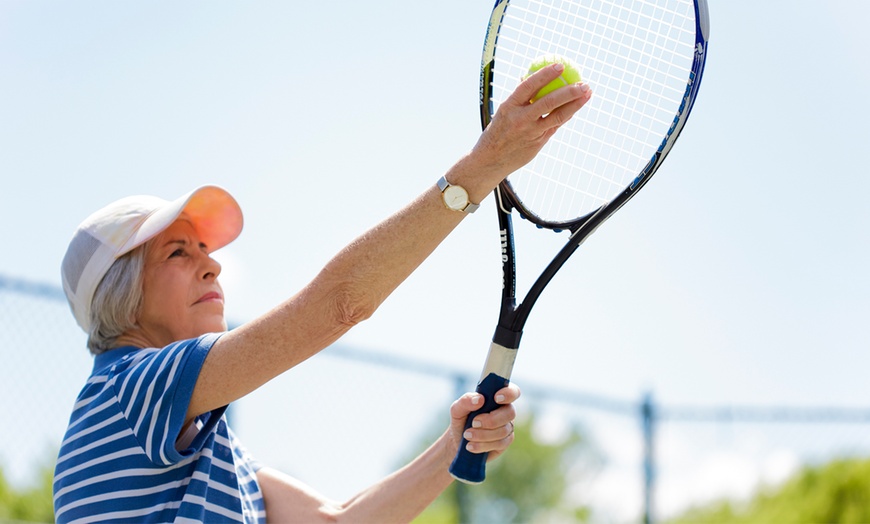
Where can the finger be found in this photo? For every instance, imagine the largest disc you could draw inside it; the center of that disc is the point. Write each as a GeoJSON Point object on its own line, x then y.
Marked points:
{"type": "Point", "coordinates": [559, 106]}
{"type": "Point", "coordinates": [495, 419]}
{"type": "Point", "coordinates": [508, 394]}
{"type": "Point", "coordinates": [465, 404]}
{"type": "Point", "coordinates": [529, 87]}
{"type": "Point", "coordinates": [471, 401]}
{"type": "Point", "coordinates": [480, 441]}
{"type": "Point", "coordinates": [489, 435]}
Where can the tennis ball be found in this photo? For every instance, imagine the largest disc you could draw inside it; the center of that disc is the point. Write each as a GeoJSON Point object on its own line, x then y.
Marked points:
{"type": "Point", "coordinates": [570, 75]}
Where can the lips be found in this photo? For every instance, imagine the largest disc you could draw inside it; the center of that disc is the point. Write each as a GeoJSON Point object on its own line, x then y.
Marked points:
{"type": "Point", "coordinates": [212, 296]}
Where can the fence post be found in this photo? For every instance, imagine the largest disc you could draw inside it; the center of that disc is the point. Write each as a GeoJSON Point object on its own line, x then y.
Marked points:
{"type": "Point", "coordinates": [647, 410]}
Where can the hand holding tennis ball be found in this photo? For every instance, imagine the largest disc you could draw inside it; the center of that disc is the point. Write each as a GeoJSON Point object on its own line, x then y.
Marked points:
{"type": "Point", "coordinates": [570, 75]}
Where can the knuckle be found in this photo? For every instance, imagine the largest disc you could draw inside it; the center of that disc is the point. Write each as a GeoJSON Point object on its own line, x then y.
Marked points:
{"type": "Point", "coordinates": [557, 118]}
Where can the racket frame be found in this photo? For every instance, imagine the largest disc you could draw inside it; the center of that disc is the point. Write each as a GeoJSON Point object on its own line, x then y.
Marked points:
{"type": "Point", "coordinates": [468, 467]}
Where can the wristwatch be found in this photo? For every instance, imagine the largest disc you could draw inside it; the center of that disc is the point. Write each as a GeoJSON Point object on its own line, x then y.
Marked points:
{"type": "Point", "coordinates": [455, 197]}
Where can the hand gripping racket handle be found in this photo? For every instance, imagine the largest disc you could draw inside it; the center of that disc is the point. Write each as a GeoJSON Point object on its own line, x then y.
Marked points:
{"type": "Point", "coordinates": [470, 467]}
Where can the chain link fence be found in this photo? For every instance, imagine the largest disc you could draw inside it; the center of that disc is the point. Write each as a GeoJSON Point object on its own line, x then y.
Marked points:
{"type": "Point", "coordinates": [652, 460]}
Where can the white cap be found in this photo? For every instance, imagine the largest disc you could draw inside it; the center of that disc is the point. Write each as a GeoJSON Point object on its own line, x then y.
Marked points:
{"type": "Point", "coordinates": [130, 222]}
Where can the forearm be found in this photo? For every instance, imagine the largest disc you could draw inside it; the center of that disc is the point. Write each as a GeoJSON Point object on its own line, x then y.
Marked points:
{"type": "Point", "coordinates": [398, 498]}
{"type": "Point", "coordinates": [404, 494]}
{"type": "Point", "coordinates": [368, 270]}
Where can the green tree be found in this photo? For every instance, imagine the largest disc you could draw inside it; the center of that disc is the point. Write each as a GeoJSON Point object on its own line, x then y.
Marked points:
{"type": "Point", "coordinates": [29, 504]}
{"type": "Point", "coordinates": [528, 483]}
{"type": "Point", "coordinates": [838, 491]}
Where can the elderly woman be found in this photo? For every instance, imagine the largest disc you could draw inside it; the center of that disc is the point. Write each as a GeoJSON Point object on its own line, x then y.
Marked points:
{"type": "Point", "coordinates": [148, 440]}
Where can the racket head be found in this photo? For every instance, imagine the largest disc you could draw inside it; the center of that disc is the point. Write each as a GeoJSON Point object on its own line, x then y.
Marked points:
{"type": "Point", "coordinates": [644, 61]}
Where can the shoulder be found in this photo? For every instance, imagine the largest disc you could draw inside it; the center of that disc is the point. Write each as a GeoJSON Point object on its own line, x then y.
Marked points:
{"type": "Point", "coordinates": [154, 360]}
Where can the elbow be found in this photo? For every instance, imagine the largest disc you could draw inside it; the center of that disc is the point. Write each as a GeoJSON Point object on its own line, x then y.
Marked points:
{"type": "Point", "coordinates": [351, 307]}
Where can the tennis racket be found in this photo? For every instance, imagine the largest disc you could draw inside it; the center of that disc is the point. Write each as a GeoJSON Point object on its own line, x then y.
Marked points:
{"type": "Point", "coordinates": [644, 60]}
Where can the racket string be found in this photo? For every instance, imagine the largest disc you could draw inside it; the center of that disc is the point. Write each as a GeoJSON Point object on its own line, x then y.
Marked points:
{"type": "Point", "coordinates": [636, 54]}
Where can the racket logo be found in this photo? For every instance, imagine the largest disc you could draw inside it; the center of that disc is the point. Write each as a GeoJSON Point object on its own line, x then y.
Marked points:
{"type": "Point", "coordinates": [505, 270]}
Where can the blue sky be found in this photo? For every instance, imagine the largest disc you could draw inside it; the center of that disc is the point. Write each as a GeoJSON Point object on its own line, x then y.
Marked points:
{"type": "Point", "coordinates": [738, 276]}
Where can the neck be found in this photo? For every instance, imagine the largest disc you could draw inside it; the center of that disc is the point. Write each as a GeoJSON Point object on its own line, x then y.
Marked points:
{"type": "Point", "coordinates": [137, 338]}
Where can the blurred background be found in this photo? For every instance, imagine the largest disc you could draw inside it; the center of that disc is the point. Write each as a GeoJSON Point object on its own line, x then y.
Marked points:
{"type": "Point", "coordinates": [707, 344]}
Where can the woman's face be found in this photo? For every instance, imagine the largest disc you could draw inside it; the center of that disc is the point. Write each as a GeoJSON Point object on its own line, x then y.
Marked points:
{"type": "Point", "coordinates": [182, 298]}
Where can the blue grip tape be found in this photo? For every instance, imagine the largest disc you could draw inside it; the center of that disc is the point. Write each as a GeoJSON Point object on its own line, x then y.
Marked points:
{"type": "Point", "coordinates": [470, 467]}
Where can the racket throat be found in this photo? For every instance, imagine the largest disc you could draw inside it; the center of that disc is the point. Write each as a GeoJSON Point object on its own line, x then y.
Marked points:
{"type": "Point", "coordinates": [507, 337]}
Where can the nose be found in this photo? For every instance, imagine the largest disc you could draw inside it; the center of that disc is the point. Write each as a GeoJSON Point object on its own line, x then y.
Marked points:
{"type": "Point", "coordinates": [211, 268]}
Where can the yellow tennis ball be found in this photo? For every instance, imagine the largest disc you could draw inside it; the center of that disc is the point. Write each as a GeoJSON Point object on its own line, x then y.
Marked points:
{"type": "Point", "coordinates": [570, 75]}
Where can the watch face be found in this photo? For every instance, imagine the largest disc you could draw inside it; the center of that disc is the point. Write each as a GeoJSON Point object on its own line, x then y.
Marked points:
{"type": "Point", "coordinates": [456, 198]}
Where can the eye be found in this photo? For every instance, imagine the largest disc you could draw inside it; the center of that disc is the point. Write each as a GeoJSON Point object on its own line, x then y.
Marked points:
{"type": "Point", "coordinates": [177, 253]}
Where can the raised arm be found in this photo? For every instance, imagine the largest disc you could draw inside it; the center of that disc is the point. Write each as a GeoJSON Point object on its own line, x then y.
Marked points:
{"type": "Point", "coordinates": [360, 277]}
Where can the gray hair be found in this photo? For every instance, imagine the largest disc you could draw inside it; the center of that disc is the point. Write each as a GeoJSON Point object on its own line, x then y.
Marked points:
{"type": "Point", "coordinates": [117, 301]}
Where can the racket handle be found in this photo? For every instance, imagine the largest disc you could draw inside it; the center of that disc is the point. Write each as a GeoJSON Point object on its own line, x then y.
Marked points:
{"type": "Point", "coordinates": [470, 467]}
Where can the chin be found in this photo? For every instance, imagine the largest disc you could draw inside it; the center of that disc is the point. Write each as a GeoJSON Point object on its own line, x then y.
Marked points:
{"type": "Point", "coordinates": [220, 325]}
{"type": "Point", "coordinates": [215, 326]}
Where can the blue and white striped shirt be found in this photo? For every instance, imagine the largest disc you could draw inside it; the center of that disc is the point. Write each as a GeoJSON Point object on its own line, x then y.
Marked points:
{"type": "Point", "coordinates": [119, 460]}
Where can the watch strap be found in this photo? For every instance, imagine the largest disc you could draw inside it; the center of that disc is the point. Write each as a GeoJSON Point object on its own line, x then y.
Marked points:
{"type": "Point", "coordinates": [471, 208]}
